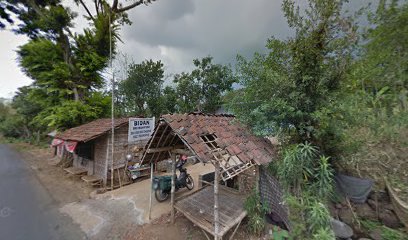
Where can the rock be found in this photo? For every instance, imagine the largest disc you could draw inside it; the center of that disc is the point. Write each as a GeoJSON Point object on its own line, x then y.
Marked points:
{"type": "Point", "coordinates": [372, 203]}
{"type": "Point", "coordinates": [388, 206]}
{"type": "Point", "coordinates": [333, 210]}
{"type": "Point", "coordinates": [376, 234]}
{"type": "Point", "coordinates": [365, 211]}
{"type": "Point", "coordinates": [341, 229]}
{"type": "Point", "coordinates": [338, 206]}
{"type": "Point", "coordinates": [389, 219]}
{"type": "Point", "coordinates": [364, 239]}
{"type": "Point", "coordinates": [346, 216]}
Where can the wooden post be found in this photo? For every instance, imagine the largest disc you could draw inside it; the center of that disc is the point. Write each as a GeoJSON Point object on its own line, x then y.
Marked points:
{"type": "Point", "coordinates": [173, 184]}
{"type": "Point", "coordinates": [216, 203]}
{"type": "Point", "coordinates": [151, 190]}
{"type": "Point", "coordinates": [105, 178]}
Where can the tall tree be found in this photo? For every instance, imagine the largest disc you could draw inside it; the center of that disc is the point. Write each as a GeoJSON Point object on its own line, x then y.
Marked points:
{"type": "Point", "coordinates": [203, 88]}
{"type": "Point", "coordinates": [142, 89]}
{"type": "Point", "coordinates": [287, 88]}
{"type": "Point", "coordinates": [66, 66]}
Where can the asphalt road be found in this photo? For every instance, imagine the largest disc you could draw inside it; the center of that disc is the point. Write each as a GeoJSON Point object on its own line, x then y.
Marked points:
{"type": "Point", "coordinates": [27, 210]}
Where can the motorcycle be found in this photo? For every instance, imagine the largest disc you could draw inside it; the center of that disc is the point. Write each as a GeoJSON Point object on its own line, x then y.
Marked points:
{"type": "Point", "coordinates": [162, 184]}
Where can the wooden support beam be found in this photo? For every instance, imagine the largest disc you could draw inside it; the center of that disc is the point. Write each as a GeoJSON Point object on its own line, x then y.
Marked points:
{"type": "Point", "coordinates": [151, 191]}
{"type": "Point", "coordinates": [182, 152]}
{"type": "Point", "coordinates": [163, 149]}
{"type": "Point", "coordinates": [173, 185]}
{"type": "Point", "coordinates": [216, 202]}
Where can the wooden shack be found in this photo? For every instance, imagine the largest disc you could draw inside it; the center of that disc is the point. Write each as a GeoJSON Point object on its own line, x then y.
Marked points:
{"type": "Point", "coordinates": [89, 146]}
{"type": "Point", "coordinates": [221, 141]}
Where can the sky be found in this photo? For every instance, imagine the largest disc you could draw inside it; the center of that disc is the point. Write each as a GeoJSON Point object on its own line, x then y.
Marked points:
{"type": "Point", "coordinates": [174, 31]}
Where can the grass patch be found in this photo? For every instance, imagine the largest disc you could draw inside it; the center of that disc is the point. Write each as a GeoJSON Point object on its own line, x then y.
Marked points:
{"type": "Point", "coordinates": [386, 232]}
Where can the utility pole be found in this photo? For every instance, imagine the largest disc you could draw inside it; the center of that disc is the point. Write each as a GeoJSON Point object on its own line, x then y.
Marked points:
{"type": "Point", "coordinates": [113, 98]}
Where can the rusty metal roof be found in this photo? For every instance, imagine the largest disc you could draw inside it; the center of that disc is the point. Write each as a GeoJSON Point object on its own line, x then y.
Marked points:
{"type": "Point", "coordinates": [230, 136]}
{"type": "Point", "coordinates": [91, 130]}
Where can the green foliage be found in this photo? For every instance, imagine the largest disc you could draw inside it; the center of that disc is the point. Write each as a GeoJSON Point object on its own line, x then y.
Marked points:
{"type": "Point", "coordinates": [386, 232]}
{"type": "Point", "coordinates": [68, 114]}
{"type": "Point", "coordinates": [279, 234]}
{"type": "Point", "coordinates": [284, 88]}
{"type": "Point", "coordinates": [323, 175]}
{"type": "Point", "coordinates": [203, 88]}
{"type": "Point", "coordinates": [256, 212]}
{"type": "Point", "coordinates": [10, 122]}
{"type": "Point", "coordinates": [308, 180]}
{"type": "Point", "coordinates": [297, 165]}
{"type": "Point", "coordinates": [141, 91]}
{"type": "Point", "coordinates": [369, 114]}
{"type": "Point", "coordinates": [310, 218]}
{"type": "Point", "coordinates": [324, 234]}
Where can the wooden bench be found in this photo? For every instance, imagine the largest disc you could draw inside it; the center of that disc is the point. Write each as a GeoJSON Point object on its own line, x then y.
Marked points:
{"type": "Point", "coordinates": [92, 180]}
{"type": "Point", "coordinates": [76, 170]}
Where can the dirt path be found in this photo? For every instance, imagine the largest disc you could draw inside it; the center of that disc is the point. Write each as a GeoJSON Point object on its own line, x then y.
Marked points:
{"type": "Point", "coordinates": [118, 214]}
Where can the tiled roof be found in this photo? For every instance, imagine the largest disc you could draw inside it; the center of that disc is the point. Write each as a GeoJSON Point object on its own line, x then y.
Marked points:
{"type": "Point", "coordinates": [91, 130]}
{"type": "Point", "coordinates": [230, 136]}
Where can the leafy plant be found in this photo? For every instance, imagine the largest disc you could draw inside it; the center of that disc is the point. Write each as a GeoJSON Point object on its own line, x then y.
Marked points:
{"type": "Point", "coordinates": [296, 167]}
{"type": "Point", "coordinates": [279, 234]}
{"type": "Point", "coordinates": [323, 178]}
{"type": "Point", "coordinates": [256, 212]}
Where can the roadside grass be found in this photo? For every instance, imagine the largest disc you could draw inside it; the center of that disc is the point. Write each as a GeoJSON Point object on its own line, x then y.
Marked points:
{"type": "Point", "coordinates": [386, 232]}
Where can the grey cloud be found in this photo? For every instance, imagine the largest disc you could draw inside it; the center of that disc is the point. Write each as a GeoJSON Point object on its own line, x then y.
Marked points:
{"type": "Point", "coordinates": [191, 29]}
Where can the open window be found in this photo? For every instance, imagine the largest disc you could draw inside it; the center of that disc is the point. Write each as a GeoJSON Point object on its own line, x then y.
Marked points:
{"type": "Point", "coordinates": [209, 140]}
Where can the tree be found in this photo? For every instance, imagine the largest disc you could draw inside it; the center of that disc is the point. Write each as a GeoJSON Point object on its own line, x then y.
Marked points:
{"type": "Point", "coordinates": [141, 91]}
{"type": "Point", "coordinates": [286, 89]}
{"type": "Point", "coordinates": [66, 67]}
{"type": "Point", "coordinates": [203, 88]}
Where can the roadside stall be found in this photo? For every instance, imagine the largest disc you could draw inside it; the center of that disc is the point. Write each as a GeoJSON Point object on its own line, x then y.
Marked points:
{"type": "Point", "coordinates": [221, 141]}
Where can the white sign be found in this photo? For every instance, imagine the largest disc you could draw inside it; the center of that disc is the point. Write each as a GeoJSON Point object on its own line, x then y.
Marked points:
{"type": "Point", "coordinates": [140, 129]}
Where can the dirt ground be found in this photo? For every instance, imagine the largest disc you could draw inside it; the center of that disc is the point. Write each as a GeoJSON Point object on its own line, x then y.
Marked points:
{"type": "Point", "coordinates": [118, 214]}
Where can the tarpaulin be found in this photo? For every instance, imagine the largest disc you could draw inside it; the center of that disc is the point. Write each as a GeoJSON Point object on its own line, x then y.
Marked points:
{"type": "Point", "coordinates": [70, 146]}
{"type": "Point", "coordinates": [55, 142]}
{"type": "Point", "coordinates": [356, 189]}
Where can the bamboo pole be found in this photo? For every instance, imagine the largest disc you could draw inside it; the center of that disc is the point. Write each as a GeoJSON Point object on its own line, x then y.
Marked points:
{"type": "Point", "coordinates": [151, 191]}
{"type": "Point", "coordinates": [105, 179]}
{"type": "Point", "coordinates": [173, 185]}
{"type": "Point", "coordinates": [216, 203]}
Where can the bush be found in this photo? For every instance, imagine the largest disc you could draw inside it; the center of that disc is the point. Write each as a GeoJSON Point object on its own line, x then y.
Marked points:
{"type": "Point", "coordinates": [256, 213]}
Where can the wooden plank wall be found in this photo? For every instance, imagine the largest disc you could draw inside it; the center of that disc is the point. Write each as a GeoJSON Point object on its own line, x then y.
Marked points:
{"type": "Point", "coordinates": [121, 149]}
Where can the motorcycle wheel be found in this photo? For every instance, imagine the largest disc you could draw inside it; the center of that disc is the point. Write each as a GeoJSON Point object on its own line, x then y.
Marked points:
{"type": "Point", "coordinates": [189, 182]}
{"type": "Point", "coordinates": [161, 196]}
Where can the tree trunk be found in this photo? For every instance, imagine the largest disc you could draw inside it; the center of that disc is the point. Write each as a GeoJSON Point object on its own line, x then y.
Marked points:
{"type": "Point", "coordinates": [76, 95]}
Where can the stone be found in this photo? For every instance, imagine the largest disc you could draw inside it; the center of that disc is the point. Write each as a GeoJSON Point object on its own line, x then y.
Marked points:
{"type": "Point", "coordinates": [364, 239]}
{"type": "Point", "coordinates": [365, 211]}
{"type": "Point", "coordinates": [341, 229]}
{"type": "Point", "coordinates": [389, 219]}
{"type": "Point", "coordinates": [372, 203]}
{"type": "Point", "coordinates": [376, 234]}
{"type": "Point", "coordinates": [346, 216]}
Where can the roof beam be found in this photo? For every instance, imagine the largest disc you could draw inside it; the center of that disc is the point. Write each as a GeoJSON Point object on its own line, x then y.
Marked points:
{"type": "Point", "coordinates": [164, 149]}
{"type": "Point", "coordinates": [182, 152]}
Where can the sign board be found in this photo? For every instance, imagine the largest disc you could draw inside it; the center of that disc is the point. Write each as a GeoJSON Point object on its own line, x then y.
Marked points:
{"type": "Point", "coordinates": [140, 129]}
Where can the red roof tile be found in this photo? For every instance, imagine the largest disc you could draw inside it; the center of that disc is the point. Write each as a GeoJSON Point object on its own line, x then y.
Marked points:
{"type": "Point", "coordinates": [230, 135]}
{"type": "Point", "coordinates": [91, 130]}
